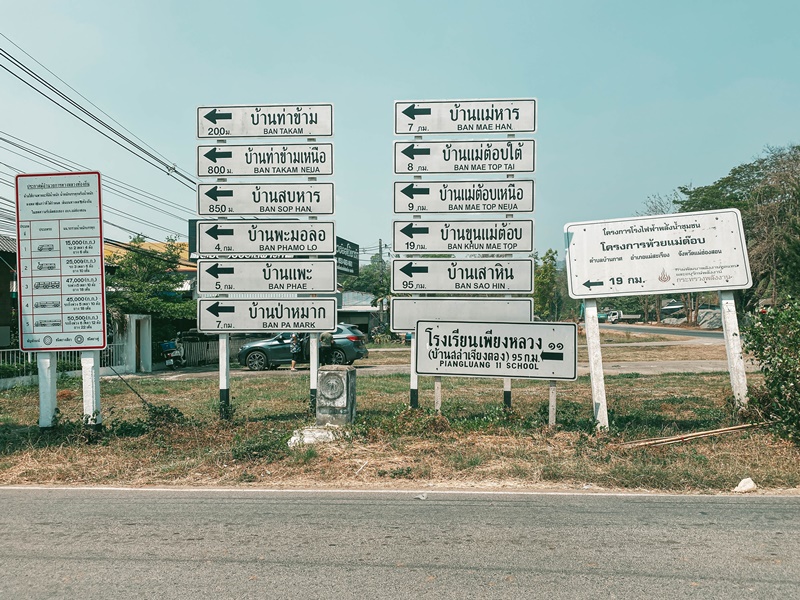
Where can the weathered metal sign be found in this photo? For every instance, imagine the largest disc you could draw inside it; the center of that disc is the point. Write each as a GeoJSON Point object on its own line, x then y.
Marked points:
{"type": "Point", "coordinates": [464, 197]}
{"type": "Point", "coordinates": [422, 117]}
{"type": "Point", "coordinates": [258, 160]}
{"type": "Point", "coordinates": [264, 199]}
{"type": "Point", "coordinates": [410, 237]}
{"type": "Point", "coordinates": [226, 238]}
{"type": "Point", "coordinates": [686, 252]}
{"type": "Point", "coordinates": [226, 316]}
{"type": "Point", "coordinates": [465, 157]}
{"type": "Point", "coordinates": [234, 276]}
{"type": "Point", "coordinates": [265, 120]}
{"type": "Point", "coordinates": [405, 312]}
{"type": "Point", "coordinates": [60, 267]}
{"type": "Point", "coordinates": [462, 276]}
{"type": "Point", "coordinates": [497, 349]}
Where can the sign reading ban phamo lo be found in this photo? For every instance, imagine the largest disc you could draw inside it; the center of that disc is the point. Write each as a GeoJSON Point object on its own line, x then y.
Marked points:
{"type": "Point", "coordinates": [240, 315]}
{"type": "Point", "coordinates": [226, 238]}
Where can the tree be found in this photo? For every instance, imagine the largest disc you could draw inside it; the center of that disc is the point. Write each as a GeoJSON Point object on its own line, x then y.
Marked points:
{"type": "Point", "coordinates": [546, 292]}
{"type": "Point", "coordinates": [373, 279]}
{"type": "Point", "coordinates": [147, 281]}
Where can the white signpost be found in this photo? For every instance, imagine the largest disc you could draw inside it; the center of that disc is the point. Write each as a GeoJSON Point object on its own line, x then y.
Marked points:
{"type": "Point", "coordinates": [61, 280]}
{"type": "Point", "coordinates": [464, 197]}
{"type": "Point", "coordinates": [496, 349]}
{"type": "Point", "coordinates": [419, 117]}
{"type": "Point", "coordinates": [226, 238]}
{"type": "Point", "coordinates": [495, 236]}
{"type": "Point", "coordinates": [446, 275]}
{"type": "Point", "coordinates": [264, 199]}
{"type": "Point", "coordinates": [679, 253]}
{"type": "Point", "coordinates": [405, 312]}
{"type": "Point", "coordinates": [262, 160]}
{"type": "Point", "coordinates": [465, 157]}
{"type": "Point", "coordinates": [242, 276]}
{"type": "Point", "coordinates": [265, 120]}
{"type": "Point", "coordinates": [221, 315]}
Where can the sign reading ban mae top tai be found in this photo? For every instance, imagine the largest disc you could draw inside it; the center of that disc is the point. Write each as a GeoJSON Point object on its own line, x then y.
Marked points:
{"type": "Point", "coordinates": [60, 275]}
{"type": "Point", "coordinates": [686, 252]}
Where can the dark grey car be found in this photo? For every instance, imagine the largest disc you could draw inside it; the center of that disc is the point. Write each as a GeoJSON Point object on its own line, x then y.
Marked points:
{"type": "Point", "coordinates": [348, 346]}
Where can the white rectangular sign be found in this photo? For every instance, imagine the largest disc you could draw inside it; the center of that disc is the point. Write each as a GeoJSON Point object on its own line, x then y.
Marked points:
{"type": "Point", "coordinates": [265, 120]}
{"type": "Point", "coordinates": [405, 312]}
{"type": "Point", "coordinates": [685, 252]}
{"type": "Point", "coordinates": [226, 238]}
{"type": "Point", "coordinates": [508, 235]}
{"type": "Point", "coordinates": [235, 276]}
{"type": "Point", "coordinates": [495, 349]}
{"type": "Point", "coordinates": [420, 117]}
{"type": "Point", "coordinates": [464, 197]}
{"type": "Point", "coordinates": [60, 267]}
{"type": "Point", "coordinates": [465, 157]}
{"type": "Point", "coordinates": [264, 199]}
{"type": "Point", "coordinates": [495, 276]}
{"type": "Point", "coordinates": [259, 160]}
{"type": "Point", "coordinates": [225, 316]}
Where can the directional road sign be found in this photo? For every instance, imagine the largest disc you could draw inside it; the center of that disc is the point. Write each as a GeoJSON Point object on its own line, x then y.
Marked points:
{"type": "Point", "coordinates": [462, 276]}
{"type": "Point", "coordinates": [254, 160]}
{"type": "Point", "coordinates": [227, 316]}
{"type": "Point", "coordinates": [419, 117]}
{"type": "Point", "coordinates": [464, 197]}
{"type": "Point", "coordinates": [686, 252]}
{"type": "Point", "coordinates": [235, 275]}
{"type": "Point", "coordinates": [227, 238]}
{"type": "Point", "coordinates": [466, 158]}
{"type": "Point", "coordinates": [265, 120]}
{"type": "Point", "coordinates": [405, 312]}
{"type": "Point", "coordinates": [414, 237]}
{"type": "Point", "coordinates": [60, 270]}
{"type": "Point", "coordinates": [264, 199]}
{"type": "Point", "coordinates": [495, 349]}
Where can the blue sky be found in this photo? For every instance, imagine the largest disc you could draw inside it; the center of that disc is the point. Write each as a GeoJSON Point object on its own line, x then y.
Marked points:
{"type": "Point", "coordinates": [635, 98]}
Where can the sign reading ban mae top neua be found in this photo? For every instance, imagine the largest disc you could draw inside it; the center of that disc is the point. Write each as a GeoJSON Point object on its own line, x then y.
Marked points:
{"type": "Point", "coordinates": [226, 238]}
{"type": "Point", "coordinates": [465, 157]}
{"type": "Point", "coordinates": [686, 252]}
{"type": "Point", "coordinates": [301, 315]}
{"type": "Point", "coordinates": [412, 237]}
{"type": "Point", "coordinates": [238, 275]}
{"type": "Point", "coordinates": [464, 116]}
{"type": "Point", "coordinates": [256, 160]}
{"type": "Point", "coordinates": [522, 350]}
{"type": "Point", "coordinates": [434, 275]}
{"type": "Point", "coordinates": [265, 120]}
{"type": "Point", "coordinates": [265, 199]}
{"type": "Point", "coordinates": [462, 197]}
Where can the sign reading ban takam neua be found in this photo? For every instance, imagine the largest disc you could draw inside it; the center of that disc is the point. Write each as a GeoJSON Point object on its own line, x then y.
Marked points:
{"type": "Point", "coordinates": [686, 252]}
{"type": "Point", "coordinates": [524, 350]}
{"type": "Point", "coordinates": [256, 160]}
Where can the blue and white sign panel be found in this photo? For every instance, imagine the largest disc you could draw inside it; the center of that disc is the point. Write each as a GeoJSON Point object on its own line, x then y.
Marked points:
{"type": "Point", "coordinates": [685, 252]}
{"type": "Point", "coordinates": [518, 350]}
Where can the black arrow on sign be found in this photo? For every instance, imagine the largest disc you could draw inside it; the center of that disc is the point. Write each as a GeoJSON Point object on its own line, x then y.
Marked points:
{"type": "Point", "coordinates": [215, 116]}
{"type": "Point", "coordinates": [411, 151]}
{"type": "Point", "coordinates": [410, 269]}
{"type": "Point", "coordinates": [215, 270]}
{"type": "Point", "coordinates": [412, 111]}
{"type": "Point", "coordinates": [215, 309]}
{"type": "Point", "coordinates": [411, 191]}
{"type": "Point", "coordinates": [552, 356]}
{"type": "Point", "coordinates": [216, 231]}
{"type": "Point", "coordinates": [410, 230]}
{"type": "Point", "coordinates": [214, 154]}
{"type": "Point", "coordinates": [590, 284]}
{"type": "Point", "coordinates": [215, 193]}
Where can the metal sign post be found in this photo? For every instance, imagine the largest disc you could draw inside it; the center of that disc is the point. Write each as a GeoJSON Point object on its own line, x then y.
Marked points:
{"type": "Point", "coordinates": [733, 347]}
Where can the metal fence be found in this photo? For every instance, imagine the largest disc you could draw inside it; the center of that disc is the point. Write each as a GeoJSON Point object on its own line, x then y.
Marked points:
{"type": "Point", "coordinates": [204, 353]}
{"type": "Point", "coordinates": [16, 363]}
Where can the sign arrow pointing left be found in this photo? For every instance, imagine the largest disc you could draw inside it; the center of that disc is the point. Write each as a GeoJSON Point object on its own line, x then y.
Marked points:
{"type": "Point", "coordinates": [410, 230]}
{"type": "Point", "coordinates": [590, 284]}
{"type": "Point", "coordinates": [411, 152]}
{"type": "Point", "coordinates": [215, 193]}
{"type": "Point", "coordinates": [215, 116]}
{"type": "Point", "coordinates": [411, 191]}
{"type": "Point", "coordinates": [214, 154]}
{"type": "Point", "coordinates": [216, 231]}
{"type": "Point", "coordinates": [412, 112]}
{"type": "Point", "coordinates": [215, 309]}
{"type": "Point", "coordinates": [410, 269]}
{"type": "Point", "coordinates": [215, 270]}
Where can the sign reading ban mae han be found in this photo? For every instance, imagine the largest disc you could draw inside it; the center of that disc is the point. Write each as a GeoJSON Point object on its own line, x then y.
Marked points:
{"type": "Point", "coordinates": [522, 350]}
{"type": "Point", "coordinates": [686, 252]}
{"type": "Point", "coordinates": [464, 116]}
{"type": "Point", "coordinates": [301, 315]}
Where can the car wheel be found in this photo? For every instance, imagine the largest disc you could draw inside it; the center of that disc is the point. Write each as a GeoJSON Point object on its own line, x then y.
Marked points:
{"type": "Point", "coordinates": [257, 361]}
{"type": "Point", "coordinates": [338, 357]}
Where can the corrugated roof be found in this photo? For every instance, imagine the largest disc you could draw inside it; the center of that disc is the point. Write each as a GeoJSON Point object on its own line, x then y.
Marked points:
{"type": "Point", "coordinates": [8, 244]}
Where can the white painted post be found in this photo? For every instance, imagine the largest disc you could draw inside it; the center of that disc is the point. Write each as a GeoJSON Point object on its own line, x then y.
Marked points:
{"type": "Point", "coordinates": [90, 370]}
{"type": "Point", "coordinates": [596, 364]}
{"type": "Point", "coordinates": [733, 347]}
{"type": "Point", "coordinates": [507, 392]}
{"type": "Point", "coordinates": [437, 394]}
{"type": "Point", "coordinates": [414, 380]}
{"type": "Point", "coordinates": [46, 362]}
{"type": "Point", "coordinates": [313, 358]}
{"type": "Point", "coordinates": [551, 413]}
{"type": "Point", "coordinates": [224, 377]}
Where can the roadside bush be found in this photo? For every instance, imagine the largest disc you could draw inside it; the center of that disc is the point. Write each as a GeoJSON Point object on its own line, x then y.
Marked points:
{"type": "Point", "coordinates": [772, 340]}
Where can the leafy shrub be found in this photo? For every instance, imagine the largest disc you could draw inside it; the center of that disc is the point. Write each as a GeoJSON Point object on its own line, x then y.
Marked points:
{"type": "Point", "coordinates": [772, 340]}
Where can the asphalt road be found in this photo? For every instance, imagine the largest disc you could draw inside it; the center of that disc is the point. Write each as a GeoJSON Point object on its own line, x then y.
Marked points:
{"type": "Point", "coordinates": [686, 332]}
{"type": "Point", "coordinates": [166, 544]}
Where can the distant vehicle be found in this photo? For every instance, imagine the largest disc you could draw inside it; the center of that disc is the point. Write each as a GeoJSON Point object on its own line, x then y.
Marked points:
{"type": "Point", "coordinates": [617, 315]}
{"type": "Point", "coordinates": [348, 346]}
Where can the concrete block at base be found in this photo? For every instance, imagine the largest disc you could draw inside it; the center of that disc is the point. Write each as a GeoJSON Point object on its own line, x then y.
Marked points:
{"type": "Point", "coordinates": [336, 395]}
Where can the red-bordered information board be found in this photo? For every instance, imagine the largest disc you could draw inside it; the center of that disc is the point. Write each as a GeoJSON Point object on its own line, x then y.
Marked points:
{"type": "Point", "coordinates": [60, 278]}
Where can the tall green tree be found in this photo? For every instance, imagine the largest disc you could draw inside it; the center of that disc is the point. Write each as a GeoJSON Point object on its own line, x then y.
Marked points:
{"type": "Point", "coordinates": [546, 291]}
{"type": "Point", "coordinates": [374, 279]}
